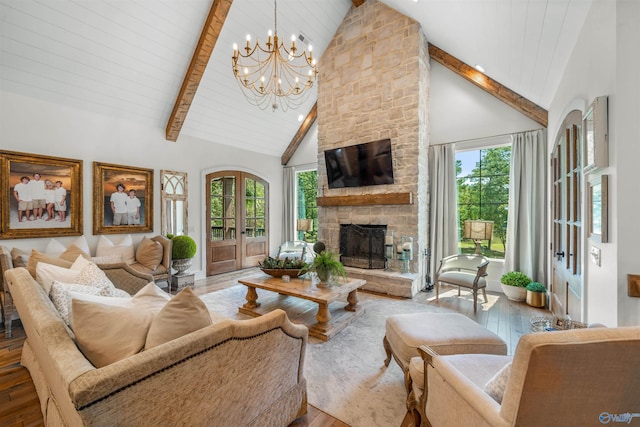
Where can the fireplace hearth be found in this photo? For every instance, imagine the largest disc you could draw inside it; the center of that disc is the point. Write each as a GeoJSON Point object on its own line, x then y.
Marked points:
{"type": "Point", "coordinates": [362, 246]}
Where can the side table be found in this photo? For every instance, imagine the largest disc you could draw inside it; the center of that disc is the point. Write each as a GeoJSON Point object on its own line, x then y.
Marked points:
{"type": "Point", "coordinates": [179, 281]}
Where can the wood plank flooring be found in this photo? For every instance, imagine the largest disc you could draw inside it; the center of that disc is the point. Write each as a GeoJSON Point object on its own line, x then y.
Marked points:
{"type": "Point", "coordinates": [19, 405]}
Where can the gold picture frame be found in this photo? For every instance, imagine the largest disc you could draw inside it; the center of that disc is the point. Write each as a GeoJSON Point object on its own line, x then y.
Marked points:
{"type": "Point", "coordinates": [51, 214]}
{"type": "Point", "coordinates": [106, 180]}
{"type": "Point", "coordinates": [598, 205]}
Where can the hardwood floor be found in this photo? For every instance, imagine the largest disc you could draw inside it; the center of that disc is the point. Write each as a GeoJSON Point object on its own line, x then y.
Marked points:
{"type": "Point", "coordinates": [19, 405]}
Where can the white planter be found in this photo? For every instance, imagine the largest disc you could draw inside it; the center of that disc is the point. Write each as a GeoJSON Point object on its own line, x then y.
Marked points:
{"type": "Point", "coordinates": [514, 293]}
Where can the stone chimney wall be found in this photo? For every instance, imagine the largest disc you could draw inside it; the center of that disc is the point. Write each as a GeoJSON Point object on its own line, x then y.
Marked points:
{"type": "Point", "coordinates": [374, 84]}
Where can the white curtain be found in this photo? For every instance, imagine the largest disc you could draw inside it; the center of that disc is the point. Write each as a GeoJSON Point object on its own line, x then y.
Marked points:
{"type": "Point", "coordinates": [443, 209]}
{"type": "Point", "coordinates": [526, 225]}
{"type": "Point", "coordinates": [288, 203]}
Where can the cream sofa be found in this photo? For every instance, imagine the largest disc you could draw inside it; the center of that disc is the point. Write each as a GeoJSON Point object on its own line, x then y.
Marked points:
{"type": "Point", "coordinates": [232, 373]}
{"type": "Point", "coordinates": [566, 378]}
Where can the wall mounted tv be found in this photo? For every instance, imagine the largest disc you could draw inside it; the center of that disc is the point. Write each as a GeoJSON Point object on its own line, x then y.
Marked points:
{"type": "Point", "coordinates": [360, 165]}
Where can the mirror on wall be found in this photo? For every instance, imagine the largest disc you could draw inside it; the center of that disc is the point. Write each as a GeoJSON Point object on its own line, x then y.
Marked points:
{"type": "Point", "coordinates": [173, 200]}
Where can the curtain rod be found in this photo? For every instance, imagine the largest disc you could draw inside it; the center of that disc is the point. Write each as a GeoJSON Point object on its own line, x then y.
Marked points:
{"type": "Point", "coordinates": [484, 137]}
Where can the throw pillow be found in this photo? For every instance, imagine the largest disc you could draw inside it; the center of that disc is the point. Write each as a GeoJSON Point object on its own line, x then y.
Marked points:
{"type": "Point", "coordinates": [496, 385]}
{"type": "Point", "coordinates": [183, 314]}
{"type": "Point", "coordinates": [151, 297]}
{"type": "Point", "coordinates": [46, 274]}
{"type": "Point", "coordinates": [106, 334]}
{"type": "Point", "coordinates": [61, 297]}
{"type": "Point", "coordinates": [91, 275]}
{"type": "Point", "coordinates": [72, 253]}
{"type": "Point", "coordinates": [81, 242]}
{"type": "Point", "coordinates": [79, 263]}
{"type": "Point", "coordinates": [108, 259]}
{"type": "Point", "coordinates": [149, 253]}
{"type": "Point", "coordinates": [123, 248]}
{"type": "Point", "coordinates": [19, 258]}
{"type": "Point", "coordinates": [54, 248]}
{"type": "Point", "coordinates": [37, 257]}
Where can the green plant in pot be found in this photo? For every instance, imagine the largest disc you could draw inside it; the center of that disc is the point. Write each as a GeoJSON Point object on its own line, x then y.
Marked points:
{"type": "Point", "coordinates": [327, 266]}
{"type": "Point", "coordinates": [536, 294]}
{"type": "Point", "coordinates": [183, 249]}
{"type": "Point", "coordinates": [514, 285]}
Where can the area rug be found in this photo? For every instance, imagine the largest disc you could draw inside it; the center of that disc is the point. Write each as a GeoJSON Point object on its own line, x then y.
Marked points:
{"type": "Point", "coordinates": [346, 376]}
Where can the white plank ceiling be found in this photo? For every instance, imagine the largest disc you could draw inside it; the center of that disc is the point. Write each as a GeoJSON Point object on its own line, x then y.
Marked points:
{"type": "Point", "coordinates": [127, 58]}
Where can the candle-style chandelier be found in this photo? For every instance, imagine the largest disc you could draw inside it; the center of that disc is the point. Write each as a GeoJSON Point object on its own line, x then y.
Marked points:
{"type": "Point", "coordinates": [274, 76]}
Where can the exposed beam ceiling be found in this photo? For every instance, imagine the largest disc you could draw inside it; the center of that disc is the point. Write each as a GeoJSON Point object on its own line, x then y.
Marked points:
{"type": "Point", "coordinates": [503, 93]}
{"type": "Point", "coordinates": [204, 48]}
{"type": "Point", "coordinates": [299, 136]}
{"type": "Point", "coordinates": [357, 3]}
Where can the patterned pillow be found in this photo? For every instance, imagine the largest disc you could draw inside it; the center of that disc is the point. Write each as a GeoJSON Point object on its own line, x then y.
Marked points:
{"type": "Point", "coordinates": [61, 297]}
{"type": "Point", "coordinates": [496, 385]}
{"type": "Point", "coordinates": [91, 275]}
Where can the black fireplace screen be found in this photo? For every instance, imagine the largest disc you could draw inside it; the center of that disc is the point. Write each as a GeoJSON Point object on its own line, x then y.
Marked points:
{"type": "Point", "coordinates": [362, 246]}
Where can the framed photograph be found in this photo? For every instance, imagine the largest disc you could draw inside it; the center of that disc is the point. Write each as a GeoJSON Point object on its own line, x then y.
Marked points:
{"type": "Point", "coordinates": [41, 196]}
{"type": "Point", "coordinates": [596, 135]}
{"type": "Point", "coordinates": [598, 204]}
{"type": "Point", "coordinates": [122, 199]}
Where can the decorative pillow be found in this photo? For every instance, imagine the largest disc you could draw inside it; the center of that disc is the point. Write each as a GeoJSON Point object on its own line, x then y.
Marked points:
{"type": "Point", "coordinates": [149, 253]}
{"type": "Point", "coordinates": [46, 274]}
{"type": "Point", "coordinates": [61, 297]}
{"type": "Point", "coordinates": [107, 333]}
{"type": "Point", "coordinates": [183, 314]}
{"type": "Point", "coordinates": [107, 259]}
{"type": "Point", "coordinates": [91, 275]}
{"type": "Point", "coordinates": [37, 257]}
{"type": "Point", "coordinates": [81, 242]}
{"type": "Point", "coordinates": [54, 248]}
{"type": "Point", "coordinates": [19, 258]}
{"type": "Point", "coordinates": [123, 248]}
{"type": "Point", "coordinates": [151, 297]}
{"type": "Point", "coordinates": [72, 253]}
{"type": "Point", "coordinates": [496, 385]}
{"type": "Point", "coordinates": [79, 263]}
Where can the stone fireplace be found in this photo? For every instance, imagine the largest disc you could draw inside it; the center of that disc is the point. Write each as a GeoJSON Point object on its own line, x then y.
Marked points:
{"type": "Point", "coordinates": [373, 85]}
{"type": "Point", "coordinates": [362, 246]}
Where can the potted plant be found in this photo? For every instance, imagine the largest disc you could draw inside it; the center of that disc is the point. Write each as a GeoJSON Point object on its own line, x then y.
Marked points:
{"type": "Point", "coordinates": [514, 285]}
{"type": "Point", "coordinates": [536, 294]}
{"type": "Point", "coordinates": [183, 249]}
{"type": "Point", "coordinates": [327, 266]}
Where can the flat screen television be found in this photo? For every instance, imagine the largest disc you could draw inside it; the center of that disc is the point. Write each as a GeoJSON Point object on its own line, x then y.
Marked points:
{"type": "Point", "coordinates": [360, 165]}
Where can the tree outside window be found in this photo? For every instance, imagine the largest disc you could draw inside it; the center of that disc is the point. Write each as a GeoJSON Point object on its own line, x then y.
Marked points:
{"type": "Point", "coordinates": [483, 194]}
{"type": "Point", "coordinates": [307, 204]}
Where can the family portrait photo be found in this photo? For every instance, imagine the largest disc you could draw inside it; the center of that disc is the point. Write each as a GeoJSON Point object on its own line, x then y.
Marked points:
{"type": "Point", "coordinates": [123, 199]}
{"type": "Point", "coordinates": [41, 196]}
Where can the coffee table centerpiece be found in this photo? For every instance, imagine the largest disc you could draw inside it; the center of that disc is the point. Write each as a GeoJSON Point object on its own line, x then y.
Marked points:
{"type": "Point", "coordinates": [278, 267]}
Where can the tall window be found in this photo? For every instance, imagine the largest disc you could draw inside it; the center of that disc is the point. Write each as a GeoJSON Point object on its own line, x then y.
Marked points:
{"type": "Point", "coordinates": [307, 183]}
{"type": "Point", "coordinates": [483, 194]}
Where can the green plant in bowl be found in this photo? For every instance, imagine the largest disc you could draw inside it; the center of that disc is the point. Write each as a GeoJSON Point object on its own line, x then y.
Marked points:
{"type": "Point", "coordinates": [515, 278]}
{"type": "Point", "coordinates": [327, 266]}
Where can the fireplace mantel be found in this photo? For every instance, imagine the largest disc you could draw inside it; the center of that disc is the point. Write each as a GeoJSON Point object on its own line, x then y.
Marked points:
{"type": "Point", "coordinates": [367, 199]}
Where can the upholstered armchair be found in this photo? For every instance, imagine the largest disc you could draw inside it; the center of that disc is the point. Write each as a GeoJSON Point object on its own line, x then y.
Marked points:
{"type": "Point", "coordinates": [566, 378]}
{"type": "Point", "coordinates": [160, 272]}
{"type": "Point", "coordinates": [466, 271]}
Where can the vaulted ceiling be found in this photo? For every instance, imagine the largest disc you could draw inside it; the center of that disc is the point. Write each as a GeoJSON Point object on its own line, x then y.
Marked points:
{"type": "Point", "coordinates": [127, 58]}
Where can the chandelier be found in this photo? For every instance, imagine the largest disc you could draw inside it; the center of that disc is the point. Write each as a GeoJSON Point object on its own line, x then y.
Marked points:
{"type": "Point", "coordinates": [274, 76]}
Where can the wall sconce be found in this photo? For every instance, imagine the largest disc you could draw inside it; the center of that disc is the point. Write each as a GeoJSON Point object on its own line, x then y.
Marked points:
{"type": "Point", "coordinates": [304, 226]}
{"type": "Point", "coordinates": [478, 230]}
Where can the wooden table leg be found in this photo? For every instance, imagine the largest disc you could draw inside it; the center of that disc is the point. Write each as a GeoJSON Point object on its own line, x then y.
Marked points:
{"type": "Point", "coordinates": [352, 299]}
{"type": "Point", "coordinates": [323, 317]}
{"type": "Point", "coordinates": [252, 298]}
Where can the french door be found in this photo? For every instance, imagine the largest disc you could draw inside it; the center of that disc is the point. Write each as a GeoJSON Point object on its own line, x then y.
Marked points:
{"type": "Point", "coordinates": [566, 238]}
{"type": "Point", "coordinates": [237, 229]}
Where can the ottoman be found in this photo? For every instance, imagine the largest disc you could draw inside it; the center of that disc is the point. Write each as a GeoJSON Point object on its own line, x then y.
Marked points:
{"type": "Point", "coordinates": [445, 333]}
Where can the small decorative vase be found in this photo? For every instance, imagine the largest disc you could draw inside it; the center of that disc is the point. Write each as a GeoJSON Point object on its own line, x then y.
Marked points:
{"type": "Point", "coordinates": [536, 299]}
{"type": "Point", "coordinates": [322, 279]}
{"type": "Point", "coordinates": [181, 265]}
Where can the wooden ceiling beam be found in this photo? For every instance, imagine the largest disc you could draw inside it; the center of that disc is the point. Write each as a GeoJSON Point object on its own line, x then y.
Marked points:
{"type": "Point", "coordinates": [299, 136]}
{"type": "Point", "coordinates": [357, 3]}
{"type": "Point", "coordinates": [503, 93]}
{"type": "Point", "coordinates": [210, 32]}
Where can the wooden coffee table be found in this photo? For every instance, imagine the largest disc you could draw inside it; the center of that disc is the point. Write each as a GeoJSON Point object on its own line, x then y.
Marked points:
{"type": "Point", "coordinates": [323, 323]}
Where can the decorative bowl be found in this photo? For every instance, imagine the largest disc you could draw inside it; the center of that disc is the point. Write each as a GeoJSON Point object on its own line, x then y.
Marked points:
{"type": "Point", "coordinates": [279, 272]}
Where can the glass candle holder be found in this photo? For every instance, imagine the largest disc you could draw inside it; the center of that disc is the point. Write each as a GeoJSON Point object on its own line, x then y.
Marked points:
{"type": "Point", "coordinates": [388, 250]}
{"type": "Point", "coordinates": [406, 243]}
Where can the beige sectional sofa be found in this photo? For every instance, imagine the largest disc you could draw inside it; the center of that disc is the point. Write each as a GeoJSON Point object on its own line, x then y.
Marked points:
{"type": "Point", "coordinates": [232, 373]}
